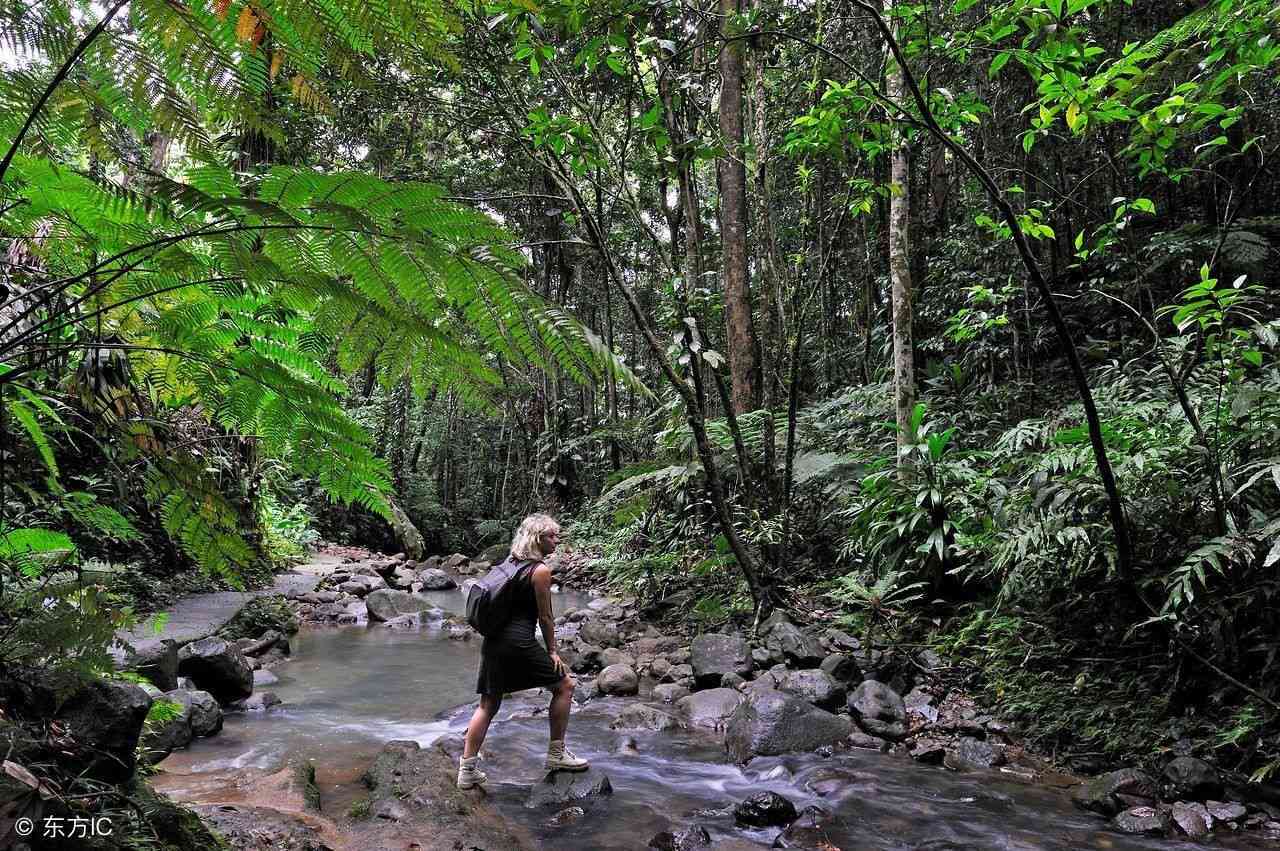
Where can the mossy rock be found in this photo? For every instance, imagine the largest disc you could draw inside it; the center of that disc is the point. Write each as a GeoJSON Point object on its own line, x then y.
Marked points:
{"type": "Point", "coordinates": [261, 614]}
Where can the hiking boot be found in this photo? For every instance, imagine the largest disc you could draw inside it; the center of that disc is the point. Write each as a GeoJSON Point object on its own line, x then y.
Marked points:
{"type": "Point", "coordinates": [560, 758]}
{"type": "Point", "coordinates": [469, 776]}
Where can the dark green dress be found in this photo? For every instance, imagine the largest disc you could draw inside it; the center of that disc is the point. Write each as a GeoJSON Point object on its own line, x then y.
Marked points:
{"type": "Point", "coordinates": [514, 659]}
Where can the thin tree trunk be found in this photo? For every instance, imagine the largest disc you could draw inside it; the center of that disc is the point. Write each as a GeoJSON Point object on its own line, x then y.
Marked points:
{"type": "Point", "coordinates": [904, 379]}
{"type": "Point", "coordinates": [743, 354]}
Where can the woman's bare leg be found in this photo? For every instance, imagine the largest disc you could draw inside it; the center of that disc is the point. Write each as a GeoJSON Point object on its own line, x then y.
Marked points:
{"type": "Point", "coordinates": [561, 703]}
{"type": "Point", "coordinates": [479, 726]}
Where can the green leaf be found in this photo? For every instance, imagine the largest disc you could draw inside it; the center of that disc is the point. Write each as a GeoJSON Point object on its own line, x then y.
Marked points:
{"type": "Point", "coordinates": [1001, 60]}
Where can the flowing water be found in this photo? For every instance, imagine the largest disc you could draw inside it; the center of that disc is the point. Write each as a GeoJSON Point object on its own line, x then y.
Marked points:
{"type": "Point", "coordinates": [349, 690]}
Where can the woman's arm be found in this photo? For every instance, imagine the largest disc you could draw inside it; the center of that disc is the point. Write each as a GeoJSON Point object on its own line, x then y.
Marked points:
{"type": "Point", "coordinates": [546, 622]}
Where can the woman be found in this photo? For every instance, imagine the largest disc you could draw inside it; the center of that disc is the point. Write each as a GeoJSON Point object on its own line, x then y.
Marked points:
{"type": "Point", "coordinates": [513, 660]}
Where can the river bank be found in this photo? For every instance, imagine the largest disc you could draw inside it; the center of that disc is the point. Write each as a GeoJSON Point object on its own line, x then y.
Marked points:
{"type": "Point", "coordinates": [685, 729]}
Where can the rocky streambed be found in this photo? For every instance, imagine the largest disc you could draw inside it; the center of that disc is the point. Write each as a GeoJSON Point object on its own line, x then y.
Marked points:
{"type": "Point", "coordinates": [797, 739]}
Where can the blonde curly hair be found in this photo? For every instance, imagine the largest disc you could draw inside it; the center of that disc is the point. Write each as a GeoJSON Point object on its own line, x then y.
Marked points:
{"type": "Point", "coordinates": [529, 543]}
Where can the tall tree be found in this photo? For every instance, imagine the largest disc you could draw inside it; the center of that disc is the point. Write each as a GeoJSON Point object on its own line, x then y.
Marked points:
{"type": "Point", "coordinates": [904, 380]}
{"type": "Point", "coordinates": [744, 359]}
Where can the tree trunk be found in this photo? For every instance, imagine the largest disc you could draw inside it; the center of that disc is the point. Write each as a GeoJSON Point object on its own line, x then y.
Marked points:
{"type": "Point", "coordinates": [904, 379]}
{"type": "Point", "coordinates": [743, 354]}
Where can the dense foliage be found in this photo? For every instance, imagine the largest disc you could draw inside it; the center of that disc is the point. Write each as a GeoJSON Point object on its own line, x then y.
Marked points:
{"type": "Point", "coordinates": [951, 322]}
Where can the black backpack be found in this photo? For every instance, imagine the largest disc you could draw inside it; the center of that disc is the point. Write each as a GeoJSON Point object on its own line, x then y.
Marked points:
{"type": "Point", "coordinates": [490, 598]}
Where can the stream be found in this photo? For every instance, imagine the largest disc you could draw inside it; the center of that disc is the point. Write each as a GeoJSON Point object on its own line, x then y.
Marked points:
{"type": "Point", "coordinates": [348, 690]}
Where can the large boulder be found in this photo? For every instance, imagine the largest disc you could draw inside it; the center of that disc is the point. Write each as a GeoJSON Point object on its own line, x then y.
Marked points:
{"type": "Point", "coordinates": [217, 667]}
{"type": "Point", "coordinates": [879, 710]}
{"type": "Point", "coordinates": [1108, 794]}
{"type": "Point", "coordinates": [1189, 779]}
{"type": "Point", "coordinates": [435, 579]}
{"type": "Point", "coordinates": [202, 710]}
{"type": "Point", "coordinates": [710, 708]}
{"type": "Point", "coordinates": [713, 655]}
{"type": "Point", "coordinates": [413, 796]}
{"type": "Point", "coordinates": [387, 603]}
{"type": "Point", "coordinates": [159, 664]}
{"type": "Point", "coordinates": [772, 723]}
{"type": "Point", "coordinates": [162, 737]}
{"type": "Point", "coordinates": [787, 640]}
{"type": "Point", "coordinates": [105, 717]}
{"type": "Point", "coordinates": [816, 686]}
{"type": "Point", "coordinates": [563, 788]}
{"type": "Point", "coordinates": [765, 809]}
{"type": "Point", "coordinates": [618, 680]}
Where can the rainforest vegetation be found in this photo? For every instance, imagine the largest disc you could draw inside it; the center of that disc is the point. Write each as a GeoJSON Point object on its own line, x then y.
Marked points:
{"type": "Point", "coordinates": [953, 324]}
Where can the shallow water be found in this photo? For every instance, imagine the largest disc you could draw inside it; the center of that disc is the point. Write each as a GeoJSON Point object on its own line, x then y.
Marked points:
{"type": "Point", "coordinates": [349, 690]}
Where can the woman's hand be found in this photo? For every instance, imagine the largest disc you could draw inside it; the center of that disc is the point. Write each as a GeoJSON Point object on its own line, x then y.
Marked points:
{"type": "Point", "coordinates": [561, 668]}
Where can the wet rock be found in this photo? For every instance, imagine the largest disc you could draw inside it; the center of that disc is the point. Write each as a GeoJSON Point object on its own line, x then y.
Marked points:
{"type": "Point", "coordinates": [1192, 818]}
{"type": "Point", "coordinates": [458, 631]}
{"type": "Point", "coordinates": [929, 751]}
{"type": "Point", "coordinates": [816, 686]}
{"type": "Point", "coordinates": [761, 656]}
{"type": "Point", "coordinates": [659, 667]}
{"type": "Point", "coordinates": [930, 661]}
{"type": "Point", "coordinates": [217, 667]}
{"type": "Point", "coordinates": [842, 667]}
{"type": "Point", "coordinates": [561, 788]}
{"type": "Point", "coordinates": [618, 680]}
{"type": "Point", "coordinates": [455, 560]}
{"type": "Point", "coordinates": [772, 723]}
{"type": "Point", "coordinates": [431, 808]}
{"type": "Point", "coordinates": [669, 692]}
{"type": "Point", "coordinates": [1189, 779]}
{"type": "Point", "coordinates": [105, 717]}
{"type": "Point", "coordinates": [1228, 812]}
{"type": "Point", "coordinates": [259, 702]}
{"type": "Point", "coordinates": [640, 716]}
{"type": "Point", "coordinates": [568, 815]}
{"type": "Point", "coordinates": [694, 836]}
{"type": "Point", "coordinates": [709, 708]}
{"type": "Point", "coordinates": [1103, 793]}
{"type": "Point", "coordinates": [434, 579]}
{"type": "Point", "coordinates": [387, 603]}
{"type": "Point", "coordinates": [974, 754]}
{"type": "Point", "coordinates": [264, 678]}
{"type": "Point", "coordinates": [879, 710]}
{"type": "Point", "coordinates": [713, 655]}
{"type": "Point", "coordinates": [810, 830]}
{"type": "Point", "coordinates": [733, 681]}
{"type": "Point", "coordinates": [794, 645]}
{"type": "Point", "coordinates": [1146, 821]}
{"type": "Point", "coordinates": [765, 809]}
